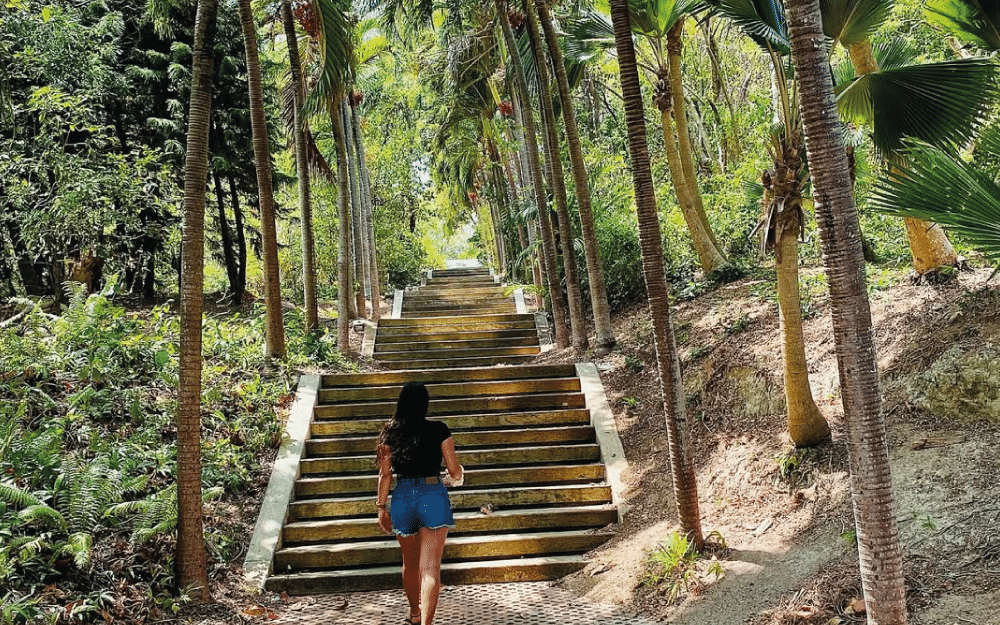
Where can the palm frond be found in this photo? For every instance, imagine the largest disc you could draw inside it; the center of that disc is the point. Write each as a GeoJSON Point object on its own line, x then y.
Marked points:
{"type": "Point", "coordinates": [851, 21]}
{"type": "Point", "coordinates": [588, 35]}
{"type": "Point", "coordinates": [936, 186]}
{"type": "Point", "coordinates": [761, 20]}
{"type": "Point", "coordinates": [975, 22]}
{"type": "Point", "coordinates": [940, 103]}
{"type": "Point", "coordinates": [336, 54]}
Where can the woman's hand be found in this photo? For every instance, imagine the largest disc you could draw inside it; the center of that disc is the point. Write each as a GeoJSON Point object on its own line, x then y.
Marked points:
{"type": "Point", "coordinates": [384, 520]}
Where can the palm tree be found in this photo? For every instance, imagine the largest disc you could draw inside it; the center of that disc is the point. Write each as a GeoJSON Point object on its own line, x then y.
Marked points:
{"type": "Point", "coordinates": [784, 217]}
{"type": "Point", "coordinates": [940, 103]}
{"type": "Point", "coordinates": [595, 271]}
{"type": "Point", "coordinates": [933, 183]}
{"type": "Point", "coordinates": [191, 571]}
{"type": "Point", "coordinates": [550, 140]}
{"type": "Point", "coordinates": [275, 327]}
{"type": "Point", "coordinates": [302, 169]}
{"type": "Point", "coordinates": [359, 240]}
{"type": "Point", "coordinates": [879, 553]}
{"type": "Point", "coordinates": [366, 202]}
{"type": "Point", "coordinates": [344, 217]}
{"type": "Point", "coordinates": [535, 167]}
{"type": "Point", "coordinates": [660, 23]}
{"type": "Point", "coordinates": [668, 364]}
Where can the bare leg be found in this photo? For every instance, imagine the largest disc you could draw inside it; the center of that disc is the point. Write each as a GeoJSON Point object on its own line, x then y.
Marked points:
{"type": "Point", "coordinates": [410, 546]}
{"type": "Point", "coordinates": [431, 549]}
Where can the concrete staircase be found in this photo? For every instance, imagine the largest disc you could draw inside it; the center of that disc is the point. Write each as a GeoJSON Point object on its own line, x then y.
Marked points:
{"type": "Point", "coordinates": [460, 318]}
{"type": "Point", "coordinates": [535, 496]}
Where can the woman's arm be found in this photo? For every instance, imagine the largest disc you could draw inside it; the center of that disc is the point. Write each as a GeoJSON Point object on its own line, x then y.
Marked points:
{"type": "Point", "coordinates": [455, 470]}
{"type": "Point", "coordinates": [382, 492]}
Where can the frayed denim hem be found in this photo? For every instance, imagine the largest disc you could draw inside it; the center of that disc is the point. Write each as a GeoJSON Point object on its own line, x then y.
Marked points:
{"type": "Point", "coordinates": [402, 535]}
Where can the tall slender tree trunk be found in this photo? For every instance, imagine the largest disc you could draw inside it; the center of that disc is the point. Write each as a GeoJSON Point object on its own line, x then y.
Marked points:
{"type": "Point", "coordinates": [538, 261]}
{"type": "Point", "coordinates": [550, 140]}
{"type": "Point", "coordinates": [806, 425]}
{"type": "Point", "coordinates": [228, 254]}
{"type": "Point", "coordinates": [595, 271]}
{"type": "Point", "coordinates": [310, 306]}
{"type": "Point", "coordinates": [241, 240]}
{"type": "Point", "coordinates": [674, 47]}
{"type": "Point", "coordinates": [275, 329]}
{"type": "Point", "coordinates": [369, 215]}
{"type": "Point", "coordinates": [535, 167]}
{"type": "Point", "coordinates": [344, 248]}
{"type": "Point", "coordinates": [357, 221]}
{"type": "Point", "coordinates": [929, 245]}
{"type": "Point", "coordinates": [192, 574]}
{"type": "Point", "coordinates": [880, 556]}
{"type": "Point", "coordinates": [708, 255]}
{"type": "Point", "coordinates": [668, 364]}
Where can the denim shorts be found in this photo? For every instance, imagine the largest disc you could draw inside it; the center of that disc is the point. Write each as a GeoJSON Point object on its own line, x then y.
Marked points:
{"type": "Point", "coordinates": [415, 504]}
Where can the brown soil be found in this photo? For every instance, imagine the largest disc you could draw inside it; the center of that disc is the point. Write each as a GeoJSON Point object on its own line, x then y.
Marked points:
{"type": "Point", "coordinates": [791, 558]}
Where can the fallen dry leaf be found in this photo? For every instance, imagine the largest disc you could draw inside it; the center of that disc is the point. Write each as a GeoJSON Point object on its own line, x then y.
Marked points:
{"type": "Point", "coordinates": [342, 606]}
{"type": "Point", "coordinates": [806, 611]}
{"type": "Point", "coordinates": [254, 610]}
{"type": "Point", "coordinates": [857, 606]}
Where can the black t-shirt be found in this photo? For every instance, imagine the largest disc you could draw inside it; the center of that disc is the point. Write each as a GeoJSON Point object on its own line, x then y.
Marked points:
{"type": "Point", "coordinates": [427, 460]}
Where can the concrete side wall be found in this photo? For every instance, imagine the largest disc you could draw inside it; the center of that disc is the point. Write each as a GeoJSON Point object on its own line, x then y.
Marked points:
{"type": "Point", "coordinates": [281, 487]}
{"type": "Point", "coordinates": [603, 420]}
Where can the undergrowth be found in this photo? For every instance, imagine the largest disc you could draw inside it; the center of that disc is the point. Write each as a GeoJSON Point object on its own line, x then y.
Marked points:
{"type": "Point", "coordinates": [675, 568]}
{"type": "Point", "coordinates": [88, 452]}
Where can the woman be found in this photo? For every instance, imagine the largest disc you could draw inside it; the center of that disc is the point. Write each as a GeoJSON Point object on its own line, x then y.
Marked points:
{"type": "Point", "coordinates": [420, 512]}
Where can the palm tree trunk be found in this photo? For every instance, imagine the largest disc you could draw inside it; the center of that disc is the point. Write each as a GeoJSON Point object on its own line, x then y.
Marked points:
{"type": "Point", "coordinates": [550, 139]}
{"type": "Point", "coordinates": [708, 255]}
{"type": "Point", "coordinates": [683, 135]}
{"type": "Point", "coordinates": [275, 328]}
{"type": "Point", "coordinates": [241, 240]}
{"type": "Point", "coordinates": [535, 166]}
{"type": "Point", "coordinates": [595, 271]}
{"type": "Point", "coordinates": [881, 559]}
{"type": "Point", "coordinates": [671, 385]}
{"type": "Point", "coordinates": [806, 425]}
{"type": "Point", "coordinates": [929, 245]}
{"type": "Point", "coordinates": [191, 570]}
{"type": "Point", "coordinates": [344, 217]}
{"type": "Point", "coordinates": [228, 255]}
{"type": "Point", "coordinates": [369, 217]}
{"type": "Point", "coordinates": [357, 224]}
{"type": "Point", "coordinates": [302, 169]}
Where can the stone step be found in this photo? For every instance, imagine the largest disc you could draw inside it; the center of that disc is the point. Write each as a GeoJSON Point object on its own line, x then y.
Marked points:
{"type": "Point", "coordinates": [441, 390]}
{"type": "Point", "coordinates": [445, 363]}
{"type": "Point", "coordinates": [426, 293]}
{"type": "Point", "coordinates": [500, 498]}
{"type": "Point", "coordinates": [506, 403]}
{"type": "Point", "coordinates": [474, 478]}
{"type": "Point", "coordinates": [458, 548]}
{"type": "Point", "coordinates": [471, 335]}
{"type": "Point", "coordinates": [457, 320]}
{"type": "Point", "coordinates": [540, 418]}
{"type": "Point", "coordinates": [474, 522]}
{"type": "Point", "coordinates": [453, 573]}
{"type": "Point", "coordinates": [461, 271]}
{"type": "Point", "coordinates": [430, 345]}
{"type": "Point", "coordinates": [448, 328]}
{"type": "Point", "coordinates": [349, 446]}
{"type": "Point", "coordinates": [450, 312]}
{"type": "Point", "coordinates": [509, 456]}
{"type": "Point", "coordinates": [440, 308]}
{"type": "Point", "coordinates": [430, 354]}
{"type": "Point", "coordinates": [454, 375]}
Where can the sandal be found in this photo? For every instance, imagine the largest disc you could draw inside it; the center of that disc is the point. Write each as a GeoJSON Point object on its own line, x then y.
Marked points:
{"type": "Point", "coordinates": [409, 620]}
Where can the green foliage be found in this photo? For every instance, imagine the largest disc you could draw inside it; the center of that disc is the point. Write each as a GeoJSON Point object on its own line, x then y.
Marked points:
{"type": "Point", "coordinates": [673, 567]}
{"type": "Point", "coordinates": [971, 21]}
{"type": "Point", "coordinates": [88, 445]}
{"type": "Point", "coordinates": [939, 187]}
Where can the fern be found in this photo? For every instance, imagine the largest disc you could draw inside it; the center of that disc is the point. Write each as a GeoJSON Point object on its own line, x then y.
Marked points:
{"type": "Point", "coordinates": [16, 496]}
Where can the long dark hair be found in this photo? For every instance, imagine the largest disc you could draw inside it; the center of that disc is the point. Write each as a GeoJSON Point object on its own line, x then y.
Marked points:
{"type": "Point", "coordinates": [402, 433]}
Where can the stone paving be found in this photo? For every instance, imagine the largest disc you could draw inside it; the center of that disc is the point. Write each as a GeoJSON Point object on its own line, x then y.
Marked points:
{"type": "Point", "coordinates": [521, 603]}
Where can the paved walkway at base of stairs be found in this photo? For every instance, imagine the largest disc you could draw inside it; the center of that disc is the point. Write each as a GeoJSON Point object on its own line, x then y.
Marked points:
{"type": "Point", "coordinates": [521, 603]}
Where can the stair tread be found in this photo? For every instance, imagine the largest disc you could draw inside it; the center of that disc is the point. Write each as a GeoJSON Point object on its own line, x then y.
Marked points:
{"type": "Point", "coordinates": [390, 543]}
{"type": "Point", "coordinates": [469, 450]}
{"type": "Point", "coordinates": [449, 566]}
{"type": "Point", "coordinates": [466, 515]}
{"type": "Point", "coordinates": [465, 493]}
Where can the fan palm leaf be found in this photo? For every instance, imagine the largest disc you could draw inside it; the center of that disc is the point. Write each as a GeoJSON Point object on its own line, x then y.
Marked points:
{"type": "Point", "coordinates": [936, 186]}
{"type": "Point", "coordinates": [940, 103]}
{"type": "Point", "coordinates": [853, 21]}
{"type": "Point", "coordinates": [976, 22]}
{"type": "Point", "coordinates": [761, 20]}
